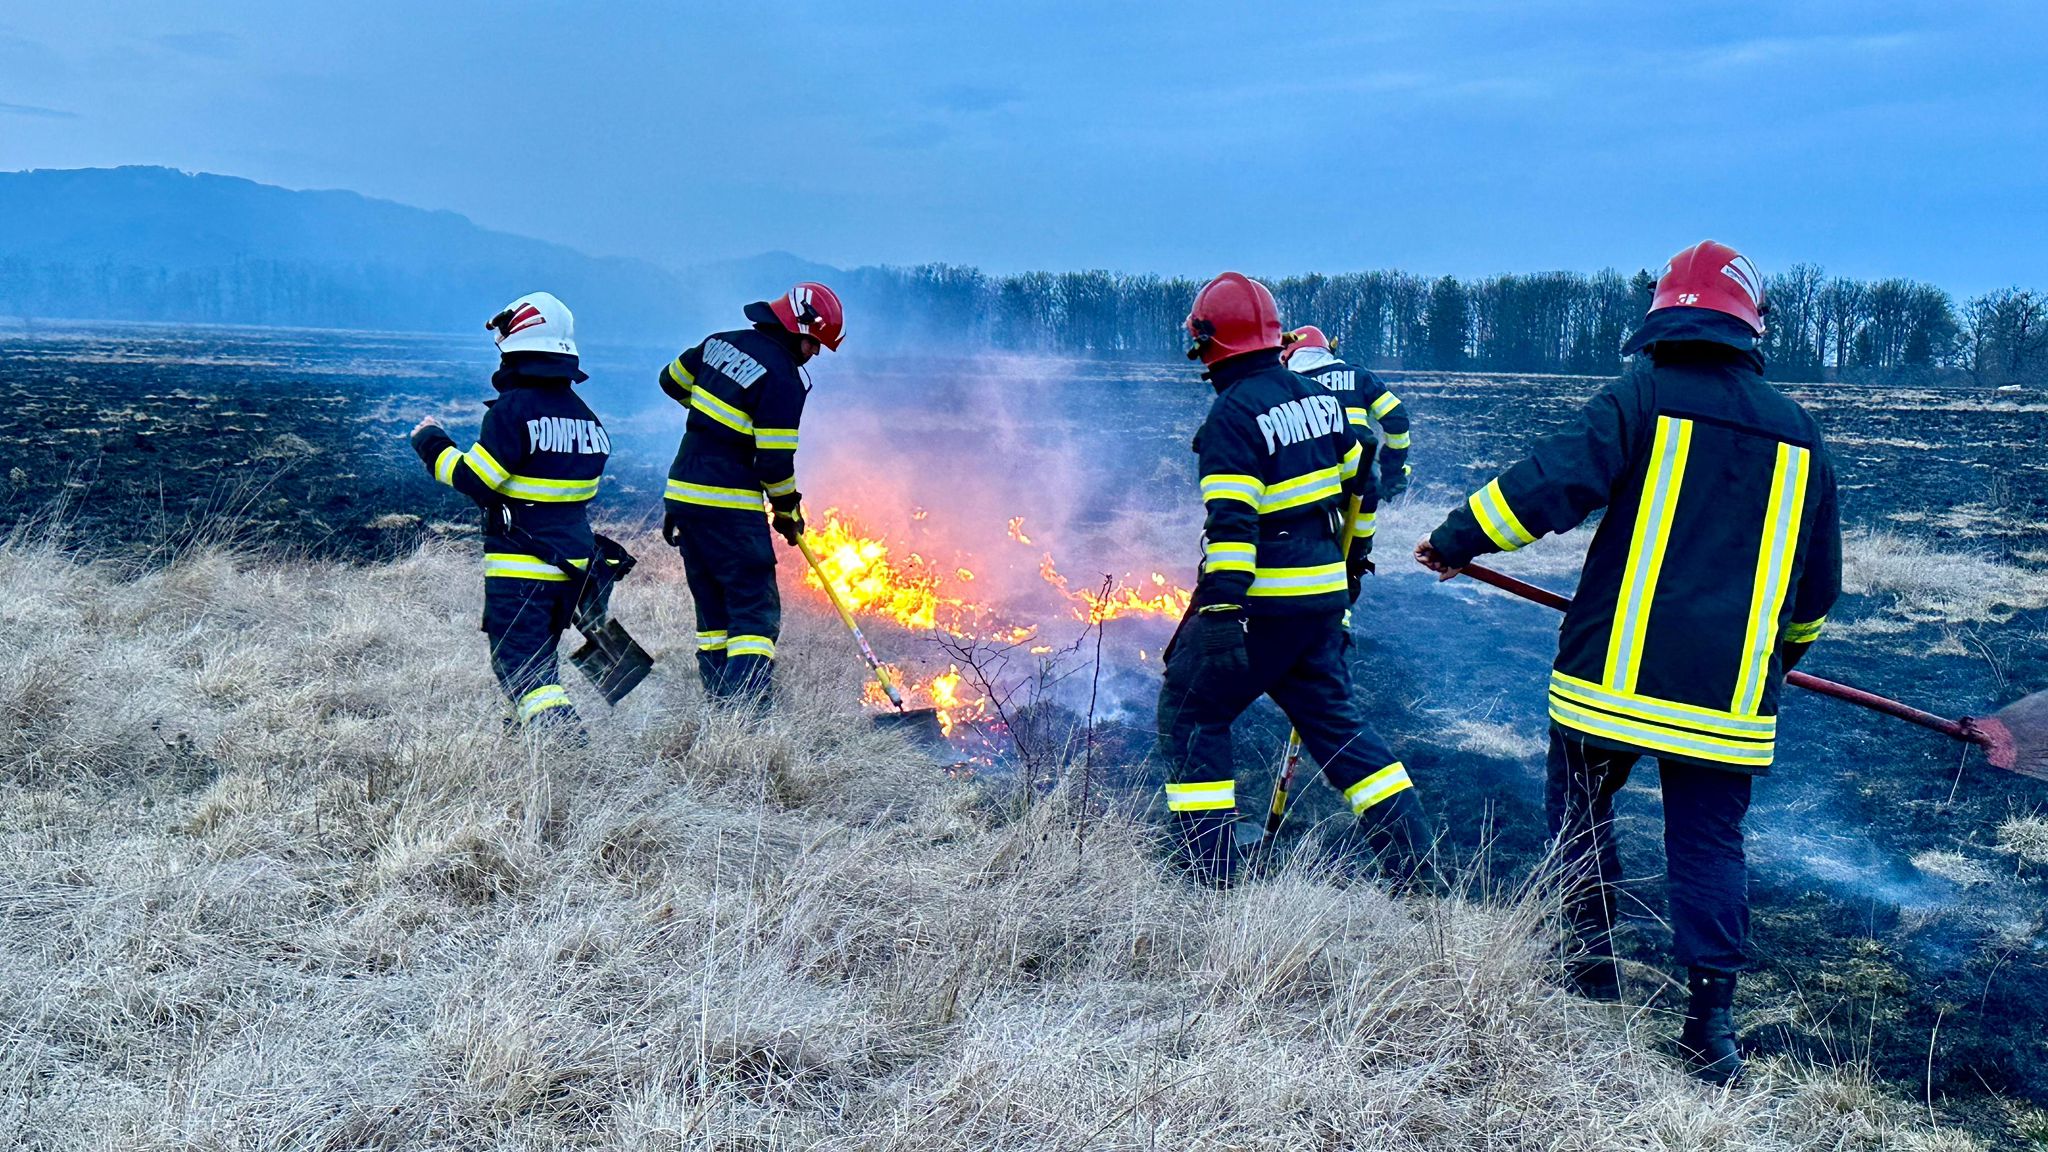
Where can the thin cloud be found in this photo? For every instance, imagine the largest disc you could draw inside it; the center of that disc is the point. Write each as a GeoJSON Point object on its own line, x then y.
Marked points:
{"type": "Point", "coordinates": [37, 111]}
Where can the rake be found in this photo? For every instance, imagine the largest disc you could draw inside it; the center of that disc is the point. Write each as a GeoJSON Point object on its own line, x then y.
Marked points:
{"type": "Point", "coordinates": [2014, 738]}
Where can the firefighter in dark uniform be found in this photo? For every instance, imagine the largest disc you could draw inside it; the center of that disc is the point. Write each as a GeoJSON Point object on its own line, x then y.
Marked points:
{"type": "Point", "coordinates": [1277, 459]}
{"type": "Point", "coordinates": [1712, 571]}
{"type": "Point", "coordinates": [745, 393]}
{"type": "Point", "coordinates": [534, 470]}
{"type": "Point", "coordinates": [1367, 401]}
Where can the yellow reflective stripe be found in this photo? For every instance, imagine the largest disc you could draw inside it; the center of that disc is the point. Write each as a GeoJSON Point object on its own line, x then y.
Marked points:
{"type": "Point", "coordinates": [1364, 524]}
{"type": "Point", "coordinates": [711, 641]}
{"type": "Point", "coordinates": [681, 374]}
{"type": "Point", "coordinates": [1497, 520]}
{"type": "Point", "coordinates": [1667, 713]}
{"type": "Point", "coordinates": [1359, 417]}
{"type": "Point", "coordinates": [1646, 552]}
{"type": "Point", "coordinates": [541, 699]}
{"type": "Point", "coordinates": [1228, 556]}
{"type": "Point", "coordinates": [703, 401]}
{"type": "Point", "coordinates": [685, 493]}
{"type": "Point", "coordinates": [750, 646]}
{"type": "Point", "coordinates": [782, 487]}
{"type": "Point", "coordinates": [444, 464]}
{"type": "Point", "coordinates": [1352, 456]}
{"type": "Point", "coordinates": [1805, 633]}
{"type": "Point", "coordinates": [549, 491]}
{"type": "Point", "coordinates": [775, 439]}
{"type": "Point", "coordinates": [1660, 738]}
{"type": "Point", "coordinates": [1231, 486]}
{"type": "Point", "coordinates": [1311, 581]}
{"type": "Point", "coordinates": [524, 567]}
{"type": "Point", "coordinates": [1397, 439]}
{"type": "Point", "coordinates": [1385, 404]}
{"type": "Point", "coordinates": [1774, 552]}
{"type": "Point", "coordinates": [1389, 781]}
{"type": "Point", "coordinates": [1208, 796]}
{"type": "Point", "coordinates": [486, 466]}
{"type": "Point", "coordinates": [1307, 488]}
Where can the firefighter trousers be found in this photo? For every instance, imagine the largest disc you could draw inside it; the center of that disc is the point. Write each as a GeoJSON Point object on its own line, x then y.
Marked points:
{"type": "Point", "coordinates": [1706, 876]}
{"type": "Point", "coordinates": [1304, 663]}
{"type": "Point", "coordinates": [524, 620]}
{"type": "Point", "coordinates": [729, 561]}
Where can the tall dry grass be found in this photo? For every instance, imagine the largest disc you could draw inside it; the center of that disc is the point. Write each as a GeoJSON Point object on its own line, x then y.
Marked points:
{"type": "Point", "coordinates": [272, 876]}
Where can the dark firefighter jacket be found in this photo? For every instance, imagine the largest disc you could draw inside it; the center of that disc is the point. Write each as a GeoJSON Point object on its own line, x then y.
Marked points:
{"type": "Point", "coordinates": [1366, 400]}
{"type": "Point", "coordinates": [746, 398]}
{"type": "Point", "coordinates": [1720, 547]}
{"type": "Point", "coordinates": [538, 456]}
{"type": "Point", "coordinates": [1276, 459]}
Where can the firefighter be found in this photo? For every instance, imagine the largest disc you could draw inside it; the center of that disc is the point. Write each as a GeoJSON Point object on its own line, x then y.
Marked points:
{"type": "Point", "coordinates": [1710, 575]}
{"type": "Point", "coordinates": [1277, 459]}
{"type": "Point", "coordinates": [1367, 401]}
{"type": "Point", "coordinates": [533, 470]}
{"type": "Point", "coordinates": [745, 392]}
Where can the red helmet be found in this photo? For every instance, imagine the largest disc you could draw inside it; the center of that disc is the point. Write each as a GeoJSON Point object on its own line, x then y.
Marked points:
{"type": "Point", "coordinates": [811, 309]}
{"type": "Point", "coordinates": [1712, 275]}
{"type": "Point", "coordinates": [1295, 341]}
{"type": "Point", "coordinates": [1233, 315]}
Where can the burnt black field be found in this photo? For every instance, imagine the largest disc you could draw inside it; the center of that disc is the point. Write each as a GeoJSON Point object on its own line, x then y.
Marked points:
{"type": "Point", "coordinates": [1889, 921]}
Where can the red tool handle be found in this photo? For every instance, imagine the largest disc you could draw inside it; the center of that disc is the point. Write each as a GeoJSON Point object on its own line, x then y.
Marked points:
{"type": "Point", "coordinates": [1857, 696]}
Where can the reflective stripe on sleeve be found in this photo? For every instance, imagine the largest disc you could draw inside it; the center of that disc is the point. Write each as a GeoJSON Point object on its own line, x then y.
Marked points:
{"type": "Point", "coordinates": [775, 439]}
{"type": "Point", "coordinates": [486, 466]}
{"type": "Point", "coordinates": [1397, 439]}
{"type": "Point", "coordinates": [1385, 783]}
{"type": "Point", "coordinates": [1364, 524]}
{"type": "Point", "coordinates": [444, 464]}
{"type": "Point", "coordinates": [680, 375]}
{"type": "Point", "coordinates": [1380, 407]}
{"type": "Point", "coordinates": [1498, 520]}
{"type": "Point", "coordinates": [1358, 417]}
{"type": "Point", "coordinates": [1208, 796]}
{"type": "Point", "coordinates": [782, 487]}
{"type": "Point", "coordinates": [1805, 633]}
{"type": "Point", "coordinates": [1230, 486]}
{"type": "Point", "coordinates": [704, 494]}
{"type": "Point", "coordinates": [1228, 556]}
{"type": "Point", "coordinates": [1352, 457]}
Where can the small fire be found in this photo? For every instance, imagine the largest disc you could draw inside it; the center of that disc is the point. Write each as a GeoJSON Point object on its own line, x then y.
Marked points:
{"type": "Point", "coordinates": [1160, 598]}
{"type": "Point", "coordinates": [1017, 530]}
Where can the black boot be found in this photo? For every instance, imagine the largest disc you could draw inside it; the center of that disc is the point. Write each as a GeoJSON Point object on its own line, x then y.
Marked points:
{"type": "Point", "coordinates": [1390, 843]}
{"type": "Point", "coordinates": [1708, 1041]}
{"type": "Point", "coordinates": [1594, 975]}
{"type": "Point", "coordinates": [1205, 845]}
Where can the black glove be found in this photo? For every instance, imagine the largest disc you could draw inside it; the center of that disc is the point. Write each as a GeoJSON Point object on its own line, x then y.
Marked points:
{"type": "Point", "coordinates": [671, 522]}
{"type": "Point", "coordinates": [1221, 644]}
{"type": "Point", "coordinates": [1392, 486]}
{"type": "Point", "coordinates": [789, 516]}
{"type": "Point", "coordinates": [1356, 569]}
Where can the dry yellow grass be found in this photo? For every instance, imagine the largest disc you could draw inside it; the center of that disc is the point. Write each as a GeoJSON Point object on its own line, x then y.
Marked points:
{"type": "Point", "coordinates": [274, 878]}
{"type": "Point", "coordinates": [1929, 586]}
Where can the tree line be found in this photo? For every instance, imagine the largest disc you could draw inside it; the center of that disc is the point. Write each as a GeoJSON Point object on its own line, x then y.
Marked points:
{"type": "Point", "coordinates": [1819, 327]}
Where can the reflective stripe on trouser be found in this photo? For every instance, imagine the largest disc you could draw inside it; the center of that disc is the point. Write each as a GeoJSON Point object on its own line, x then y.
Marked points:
{"type": "Point", "coordinates": [1706, 877]}
{"type": "Point", "coordinates": [1303, 663]}
{"type": "Point", "coordinates": [524, 619]}
{"type": "Point", "coordinates": [729, 561]}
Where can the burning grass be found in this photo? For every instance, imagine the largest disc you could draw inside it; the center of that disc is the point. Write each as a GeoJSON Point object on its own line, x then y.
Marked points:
{"type": "Point", "coordinates": [274, 877]}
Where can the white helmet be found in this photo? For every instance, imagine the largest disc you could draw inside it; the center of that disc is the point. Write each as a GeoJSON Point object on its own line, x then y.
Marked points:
{"type": "Point", "coordinates": [536, 322]}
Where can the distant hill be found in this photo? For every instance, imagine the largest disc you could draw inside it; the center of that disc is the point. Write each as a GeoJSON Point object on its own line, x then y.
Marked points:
{"type": "Point", "coordinates": [158, 244]}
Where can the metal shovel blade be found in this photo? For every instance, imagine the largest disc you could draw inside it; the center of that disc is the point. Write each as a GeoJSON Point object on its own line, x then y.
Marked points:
{"type": "Point", "coordinates": [920, 725]}
{"type": "Point", "coordinates": [612, 661]}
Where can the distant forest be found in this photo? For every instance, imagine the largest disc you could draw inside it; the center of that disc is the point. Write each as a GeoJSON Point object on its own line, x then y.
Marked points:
{"type": "Point", "coordinates": [1820, 327]}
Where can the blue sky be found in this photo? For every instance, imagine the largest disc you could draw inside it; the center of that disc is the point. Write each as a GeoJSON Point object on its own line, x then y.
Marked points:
{"type": "Point", "coordinates": [1467, 137]}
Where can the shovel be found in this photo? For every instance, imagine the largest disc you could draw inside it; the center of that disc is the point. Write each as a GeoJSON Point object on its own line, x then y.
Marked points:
{"type": "Point", "coordinates": [921, 725]}
{"type": "Point", "coordinates": [2014, 738]}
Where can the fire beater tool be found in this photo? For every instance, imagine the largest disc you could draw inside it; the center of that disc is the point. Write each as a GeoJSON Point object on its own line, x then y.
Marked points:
{"type": "Point", "coordinates": [920, 724]}
{"type": "Point", "coordinates": [2014, 738]}
{"type": "Point", "coordinates": [1276, 812]}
